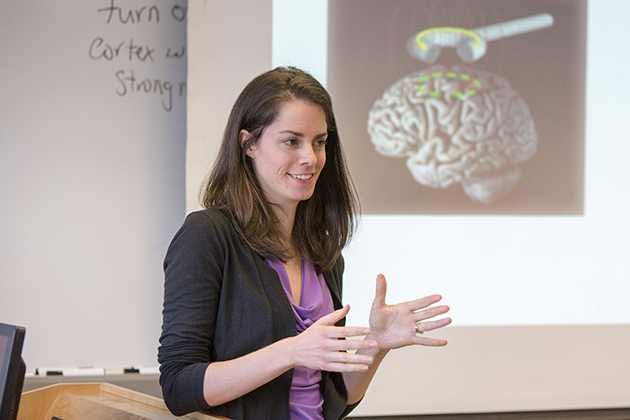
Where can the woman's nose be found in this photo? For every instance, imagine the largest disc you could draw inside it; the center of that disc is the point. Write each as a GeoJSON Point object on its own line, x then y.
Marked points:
{"type": "Point", "coordinates": [308, 156]}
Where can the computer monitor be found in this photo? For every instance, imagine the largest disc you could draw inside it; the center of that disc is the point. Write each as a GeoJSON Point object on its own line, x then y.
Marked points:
{"type": "Point", "coordinates": [12, 370]}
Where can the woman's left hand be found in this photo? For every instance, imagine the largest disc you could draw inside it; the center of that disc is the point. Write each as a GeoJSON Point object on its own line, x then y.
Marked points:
{"type": "Point", "coordinates": [394, 326]}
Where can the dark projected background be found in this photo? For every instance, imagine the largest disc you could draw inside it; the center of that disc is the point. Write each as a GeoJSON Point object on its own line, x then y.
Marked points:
{"type": "Point", "coordinates": [461, 107]}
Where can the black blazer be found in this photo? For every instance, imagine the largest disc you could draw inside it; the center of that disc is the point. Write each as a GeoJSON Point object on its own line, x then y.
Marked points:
{"type": "Point", "coordinates": [222, 301]}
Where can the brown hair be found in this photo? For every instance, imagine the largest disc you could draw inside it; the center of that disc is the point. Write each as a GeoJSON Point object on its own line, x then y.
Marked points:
{"type": "Point", "coordinates": [325, 222]}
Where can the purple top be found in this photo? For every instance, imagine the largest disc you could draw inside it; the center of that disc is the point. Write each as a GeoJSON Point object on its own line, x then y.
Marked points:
{"type": "Point", "coordinates": [306, 401]}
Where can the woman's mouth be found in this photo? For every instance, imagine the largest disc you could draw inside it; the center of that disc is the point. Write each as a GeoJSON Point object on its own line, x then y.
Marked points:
{"type": "Point", "coordinates": [302, 177]}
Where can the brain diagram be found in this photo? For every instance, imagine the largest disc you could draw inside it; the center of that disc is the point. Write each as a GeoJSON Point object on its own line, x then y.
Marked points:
{"type": "Point", "coordinates": [457, 124]}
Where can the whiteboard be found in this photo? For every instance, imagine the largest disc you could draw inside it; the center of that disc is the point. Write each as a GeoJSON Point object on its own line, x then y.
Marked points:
{"type": "Point", "coordinates": [92, 135]}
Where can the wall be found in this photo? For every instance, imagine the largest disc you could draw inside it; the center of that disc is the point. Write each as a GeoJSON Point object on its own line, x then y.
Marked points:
{"type": "Point", "coordinates": [232, 42]}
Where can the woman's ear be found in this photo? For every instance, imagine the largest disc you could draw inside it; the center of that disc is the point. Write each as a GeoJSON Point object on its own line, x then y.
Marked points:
{"type": "Point", "coordinates": [243, 135]}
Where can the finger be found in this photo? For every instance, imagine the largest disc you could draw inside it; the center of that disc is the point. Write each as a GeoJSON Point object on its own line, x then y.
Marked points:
{"type": "Point", "coordinates": [343, 332]}
{"type": "Point", "coordinates": [381, 291]}
{"type": "Point", "coordinates": [417, 304]}
{"type": "Point", "coordinates": [334, 317]}
{"type": "Point", "coordinates": [349, 358]}
{"type": "Point", "coordinates": [429, 342]}
{"type": "Point", "coordinates": [430, 313]}
{"type": "Point", "coordinates": [345, 345]}
{"type": "Point", "coordinates": [347, 362]}
{"type": "Point", "coordinates": [344, 367]}
{"type": "Point", "coordinates": [433, 325]}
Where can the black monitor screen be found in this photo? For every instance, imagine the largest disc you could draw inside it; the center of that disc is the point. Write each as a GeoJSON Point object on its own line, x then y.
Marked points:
{"type": "Point", "coordinates": [4, 341]}
{"type": "Point", "coordinates": [12, 370]}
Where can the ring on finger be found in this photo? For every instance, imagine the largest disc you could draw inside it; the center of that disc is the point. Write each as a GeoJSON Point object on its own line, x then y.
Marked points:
{"type": "Point", "coordinates": [418, 329]}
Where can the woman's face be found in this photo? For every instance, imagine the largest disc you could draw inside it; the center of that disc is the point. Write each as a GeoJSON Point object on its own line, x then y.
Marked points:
{"type": "Point", "coordinates": [290, 154]}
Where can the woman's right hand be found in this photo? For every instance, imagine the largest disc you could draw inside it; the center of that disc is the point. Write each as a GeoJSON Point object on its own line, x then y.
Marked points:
{"type": "Point", "coordinates": [322, 346]}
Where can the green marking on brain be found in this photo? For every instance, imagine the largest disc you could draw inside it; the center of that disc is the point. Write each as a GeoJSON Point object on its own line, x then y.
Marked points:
{"type": "Point", "coordinates": [425, 79]}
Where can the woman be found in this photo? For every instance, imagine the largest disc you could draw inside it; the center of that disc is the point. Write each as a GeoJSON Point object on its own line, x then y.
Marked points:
{"type": "Point", "coordinates": [253, 320]}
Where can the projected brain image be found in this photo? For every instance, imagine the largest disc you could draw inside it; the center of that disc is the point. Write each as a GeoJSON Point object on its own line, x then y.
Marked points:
{"type": "Point", "coordinates": [456, 125]}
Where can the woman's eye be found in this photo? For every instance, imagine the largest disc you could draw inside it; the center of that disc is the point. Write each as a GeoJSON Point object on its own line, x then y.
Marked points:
{"type": "Point", "coordinates": [291, 142]}
{"type": "Point", "coordinates": [320, 143]}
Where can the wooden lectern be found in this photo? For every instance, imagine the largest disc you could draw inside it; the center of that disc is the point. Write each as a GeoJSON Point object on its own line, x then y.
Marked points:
{"type": "Point", "coordinates": [95, 401]}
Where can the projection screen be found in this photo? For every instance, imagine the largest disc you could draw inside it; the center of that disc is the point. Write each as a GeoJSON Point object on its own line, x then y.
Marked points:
{"type": "Point", "coordinates": [484, 141]}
